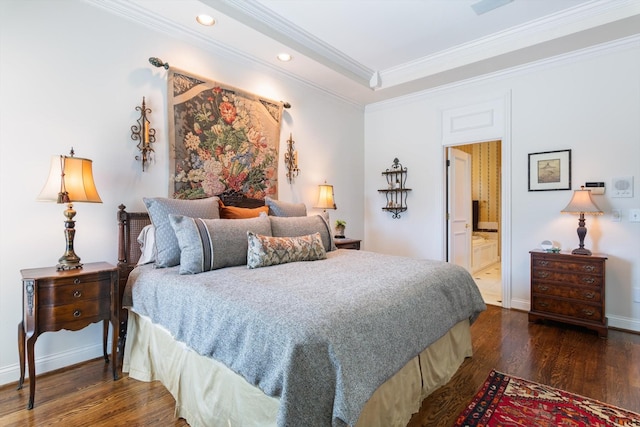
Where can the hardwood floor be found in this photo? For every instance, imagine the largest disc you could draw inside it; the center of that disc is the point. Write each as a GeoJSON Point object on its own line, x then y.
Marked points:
{"type": "Point", "coordinates": [565, 357]}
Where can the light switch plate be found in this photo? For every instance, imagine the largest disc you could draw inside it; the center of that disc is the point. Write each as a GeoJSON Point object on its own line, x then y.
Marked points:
{"type": "Point", "coordinates": [616, 215]}
{"type": "Point", "coordinates": [634, 215]}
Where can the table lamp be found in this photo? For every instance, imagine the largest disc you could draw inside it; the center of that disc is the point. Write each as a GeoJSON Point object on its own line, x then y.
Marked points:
{"type": "Point", "coordinates": [70, 180]}
{"type": "Point", "coordinates": [580, 204]}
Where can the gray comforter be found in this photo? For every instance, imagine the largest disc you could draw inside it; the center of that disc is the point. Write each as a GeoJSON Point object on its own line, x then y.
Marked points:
{"type": "Point", "coordinates": [320, 335]}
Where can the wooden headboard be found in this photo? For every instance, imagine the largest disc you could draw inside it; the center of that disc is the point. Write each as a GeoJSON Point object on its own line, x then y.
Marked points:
{"type": "Point", "coordinates": [130, 224]}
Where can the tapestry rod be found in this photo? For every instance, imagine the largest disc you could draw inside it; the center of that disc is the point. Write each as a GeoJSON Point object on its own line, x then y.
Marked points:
{"type": "Point", "coordinates": [157, 62]}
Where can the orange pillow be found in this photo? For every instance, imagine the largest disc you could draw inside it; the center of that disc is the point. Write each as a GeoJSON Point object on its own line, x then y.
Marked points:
{"type": "Point", "coordinates": [234, 212]}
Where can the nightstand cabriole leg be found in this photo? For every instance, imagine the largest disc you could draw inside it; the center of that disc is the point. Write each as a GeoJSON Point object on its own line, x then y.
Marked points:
{"type": "Point", "coordinates": [21, 339]}
{"type": "Point", "coordinates": [105, 335]}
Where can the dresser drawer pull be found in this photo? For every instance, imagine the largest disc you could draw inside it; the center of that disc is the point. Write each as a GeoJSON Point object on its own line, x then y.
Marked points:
{"type": "Point", "coordinates": [588, 312]}
{"type": "Point", "coordinates": [77, 313]}
{"type": "Point", "coordinates": [543, 274]}
{"type": "Point", "coordinates": [589, 268]}
{"type": "Point", "coordinates": [543, 262]}
{"type": "Point", "coordinates": [589, 295]}
{"type": "Point", "coordinates": [543, 304]}
{"type": "Point", "coordinates": [543, 288]}
{"type": "Point", "coordinates": [77, 294]}
{"type": "Point", "coordinates": [76, 281]}
{"type": "Point", "coordinates": [588, 280]}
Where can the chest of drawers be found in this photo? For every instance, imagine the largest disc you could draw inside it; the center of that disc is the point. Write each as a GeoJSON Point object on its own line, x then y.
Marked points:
{"type": "Point", "coordinates": [569, 288]}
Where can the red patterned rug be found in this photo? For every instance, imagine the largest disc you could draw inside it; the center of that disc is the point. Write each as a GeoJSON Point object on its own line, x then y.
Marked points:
{"type": "Point", "coordinates": [504, 400]}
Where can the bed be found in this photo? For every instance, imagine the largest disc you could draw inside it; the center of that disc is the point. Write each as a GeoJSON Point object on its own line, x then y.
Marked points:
{"type": "Point", "coordinates": [354, 338]}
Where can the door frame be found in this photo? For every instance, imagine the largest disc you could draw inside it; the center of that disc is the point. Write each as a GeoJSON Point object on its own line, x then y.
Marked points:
{"type": "Point", "coordinates": [484, 121]}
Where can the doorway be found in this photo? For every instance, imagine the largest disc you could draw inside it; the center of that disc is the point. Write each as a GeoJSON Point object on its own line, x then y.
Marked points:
{"type": "Point", "coordinates": [482, 244]}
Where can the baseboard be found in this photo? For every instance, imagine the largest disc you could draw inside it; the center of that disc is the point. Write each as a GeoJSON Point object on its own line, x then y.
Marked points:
{"type": "Point", "coordinates": [521, 305]}
{"type": "Point", "coordinates": [624, 324]}
{"type": "Point", "coordinates": [11, 373]}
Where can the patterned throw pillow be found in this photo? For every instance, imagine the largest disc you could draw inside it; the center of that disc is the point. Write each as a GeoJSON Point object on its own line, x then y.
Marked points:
{"type": "Point", "coordinates": [280, 208]}
{"type": "Point", "coordinates": [264, 250]}
{"type": "Point", "coordinates": [209, 244]}
{"type": "Point", "coordinates": [159, 208]}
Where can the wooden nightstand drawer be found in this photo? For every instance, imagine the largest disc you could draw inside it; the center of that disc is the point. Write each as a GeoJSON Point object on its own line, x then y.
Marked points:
{"type": "Point", "coordinates": [568, 308]}
{"type": "Point", "coordinates": [74, 316]}
{"type": "Point", "coordinates": [344, 243]}
{"type": "Point", "coordinates": [577, 293]}
{"type": "Point", "coordinates": [581, 266]}
{"type": "Point", "coordinates": [567, 277]}
{"type": "Point", "coordinates": [68, 294]}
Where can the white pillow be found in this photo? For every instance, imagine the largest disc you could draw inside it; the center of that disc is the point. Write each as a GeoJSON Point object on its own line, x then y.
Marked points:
{"type": "Point", "coordinates": [147, 242]}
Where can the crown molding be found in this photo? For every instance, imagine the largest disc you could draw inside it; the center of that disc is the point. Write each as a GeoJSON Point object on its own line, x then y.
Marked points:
{"type": "Point", "coordinates": [262, 19]}
{"type": "Point", "coordinates": [620, 45]}
{"type": "Point", "coordinates": [143, 16]}
{"type": "Point", "coordinates": [564, 23]}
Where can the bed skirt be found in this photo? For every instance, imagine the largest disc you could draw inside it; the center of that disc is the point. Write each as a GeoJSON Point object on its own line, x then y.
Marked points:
{"type": "Point", "coordinates": [207, 393]}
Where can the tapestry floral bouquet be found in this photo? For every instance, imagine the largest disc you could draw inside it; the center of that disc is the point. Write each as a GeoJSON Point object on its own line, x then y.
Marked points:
{"type": "Point", "coordinates": [221, 145]}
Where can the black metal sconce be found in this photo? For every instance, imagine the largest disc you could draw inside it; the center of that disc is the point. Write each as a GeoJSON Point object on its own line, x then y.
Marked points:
{"type": "Point", "coordinates": [144, 133]}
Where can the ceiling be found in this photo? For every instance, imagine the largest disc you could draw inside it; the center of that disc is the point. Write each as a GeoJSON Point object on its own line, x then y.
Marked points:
{"type": "Point", "coordinates": [367, 51]}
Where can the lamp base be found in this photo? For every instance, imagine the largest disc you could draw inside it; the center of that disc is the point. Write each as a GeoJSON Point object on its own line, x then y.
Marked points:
{"type": "Point", "coordinates": [64, 267]}
{"type": "Point", "coordinates": [581, 251]}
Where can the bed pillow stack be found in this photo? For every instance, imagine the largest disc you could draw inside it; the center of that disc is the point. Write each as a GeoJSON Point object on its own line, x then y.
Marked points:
{"type": "Point", "coordinates": [192, 234]}
{"type": "Point", "coordinates": [159, 208]}
{"type": "Point", "coordinates": [210, 244]}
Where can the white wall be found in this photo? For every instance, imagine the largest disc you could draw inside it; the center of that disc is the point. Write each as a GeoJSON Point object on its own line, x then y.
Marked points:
{"type": "Point", "coordinates": [71, 74]}
{"type": "Point", "coordinates": [588, 102]}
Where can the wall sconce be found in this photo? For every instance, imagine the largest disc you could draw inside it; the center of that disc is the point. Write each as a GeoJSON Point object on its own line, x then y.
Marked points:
{"type": "Point", "coordinates": [580, 204]}
{"type": "Point", "coordinates": [291, 160]}
{"type": "Point", "coordinates": [70, 180]}
{"type": "Point", "coordinates": [144, 133]}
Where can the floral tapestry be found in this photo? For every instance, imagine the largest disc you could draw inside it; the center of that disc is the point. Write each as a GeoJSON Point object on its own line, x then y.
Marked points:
{"type": "Point", "coordinates": [222, 139]}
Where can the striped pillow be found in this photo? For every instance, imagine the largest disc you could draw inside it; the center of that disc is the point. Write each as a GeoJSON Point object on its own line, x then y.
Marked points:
{"type": "Point", "coordinates": [210, 244]}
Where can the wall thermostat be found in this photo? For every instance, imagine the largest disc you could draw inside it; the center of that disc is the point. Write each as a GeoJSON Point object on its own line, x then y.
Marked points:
{"type": "Point", "coordinates": [595, 187]}
{"type": "Point", "coordinates": [622, 186]}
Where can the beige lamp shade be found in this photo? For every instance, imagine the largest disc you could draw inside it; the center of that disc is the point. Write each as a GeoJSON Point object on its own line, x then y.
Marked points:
{"type": "Point", "coordinates": [325, 197]}
{"type": "Point", "coordinates": [73, 176]}
{"type": "Point", "coordinates": [582, 203]}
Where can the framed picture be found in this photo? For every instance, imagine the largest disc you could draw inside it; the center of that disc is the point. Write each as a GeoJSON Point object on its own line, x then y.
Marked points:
{"type": "Point", "coordinates": [550, 170]}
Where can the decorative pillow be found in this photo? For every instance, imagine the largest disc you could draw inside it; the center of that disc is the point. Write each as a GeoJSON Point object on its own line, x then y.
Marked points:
{"type": "Point", "coordinates": [159, 208]}
{"type": "Point", "coordinates": [280, 208]}
{"type": "Point", "coordinates": [234, 212]}
{"type": "Point", "coordinates": [301, 226]}
{"type": "Point", "coordinates": [209, 244]}
{"type": "Point", "coordinates": [147, 242]}
{"type": "Point", "coordinates": [265, 250]}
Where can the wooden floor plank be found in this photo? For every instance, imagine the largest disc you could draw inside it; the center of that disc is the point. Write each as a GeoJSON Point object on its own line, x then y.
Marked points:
{"type": "Point", "coordinates": [565, 357]}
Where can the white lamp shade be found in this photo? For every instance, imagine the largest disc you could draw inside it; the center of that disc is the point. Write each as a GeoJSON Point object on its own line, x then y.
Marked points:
{"type": "Point", "coordinates": [582, 203]}
{"type": "Point", "coordinates": [77, 180]}
{"type": "Point", "coordinates": [325, 197]}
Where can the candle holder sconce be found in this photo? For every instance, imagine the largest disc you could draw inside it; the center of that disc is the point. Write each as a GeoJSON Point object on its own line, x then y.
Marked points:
{"type": "Point", "coordinates": [291, 160]}
{"type": "Point", "coordinates": [143, 133]}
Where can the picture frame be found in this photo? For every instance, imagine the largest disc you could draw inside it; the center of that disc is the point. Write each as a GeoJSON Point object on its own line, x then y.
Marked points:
{"type": "Point", "coordinates": [550, 170]}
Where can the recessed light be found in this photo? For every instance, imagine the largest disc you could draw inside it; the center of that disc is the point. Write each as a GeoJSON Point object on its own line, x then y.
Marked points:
{"type": "Point", "coordinates": [205, 20]}
{"type": "Point", "coordinates": [284, 57]}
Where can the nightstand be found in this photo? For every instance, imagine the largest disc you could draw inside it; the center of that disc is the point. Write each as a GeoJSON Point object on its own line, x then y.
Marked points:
{"type": "Point", "coordinates": [344, 243]}
{"type": "Point", "coordinates": [71, 299]}
{"type": "Point", "coordinates": [569, 288]}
